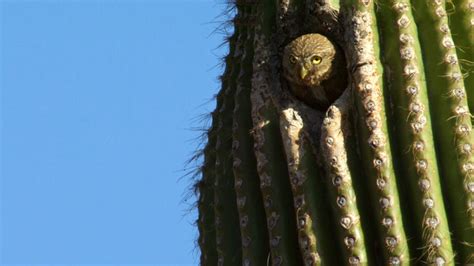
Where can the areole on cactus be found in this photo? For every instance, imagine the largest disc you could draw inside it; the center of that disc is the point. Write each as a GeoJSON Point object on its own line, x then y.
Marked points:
{"type": "Point", "coordinates": [384, 176]}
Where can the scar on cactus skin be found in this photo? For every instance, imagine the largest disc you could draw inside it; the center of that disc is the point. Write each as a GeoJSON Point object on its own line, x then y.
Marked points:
{"type": "Point", "coordinates": [315, 68]}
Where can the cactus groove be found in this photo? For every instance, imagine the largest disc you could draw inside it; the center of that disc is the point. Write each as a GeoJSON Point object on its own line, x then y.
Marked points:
{"type": "Point", "coordinates": [384, 176]}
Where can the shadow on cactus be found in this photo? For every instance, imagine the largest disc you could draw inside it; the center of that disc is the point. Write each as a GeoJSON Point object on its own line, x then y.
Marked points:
{"type": "Point", "coordinates": [295, 173]}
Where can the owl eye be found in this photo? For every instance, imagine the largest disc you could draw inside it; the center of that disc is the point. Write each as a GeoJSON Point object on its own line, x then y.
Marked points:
{"type": "Point", "coordinates": [315, 60]}
{"type": "Point", "coordinates": [292, 59]}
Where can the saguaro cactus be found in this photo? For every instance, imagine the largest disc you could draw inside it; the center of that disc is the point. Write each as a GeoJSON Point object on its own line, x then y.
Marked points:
{"type": "Point", "coordinates": [383, 177]}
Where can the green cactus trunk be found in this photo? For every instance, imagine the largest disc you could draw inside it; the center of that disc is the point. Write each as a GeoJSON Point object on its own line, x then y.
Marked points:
{"type": "Point", "coordinates": [384, 177]}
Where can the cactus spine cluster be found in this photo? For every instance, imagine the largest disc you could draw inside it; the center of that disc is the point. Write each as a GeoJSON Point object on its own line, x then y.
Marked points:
{"type": "Point", "coordinates": [383, 177]}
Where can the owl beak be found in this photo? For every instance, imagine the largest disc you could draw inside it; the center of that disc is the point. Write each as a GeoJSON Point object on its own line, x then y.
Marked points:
{"type": "Point", "coordinates": [303, 72]}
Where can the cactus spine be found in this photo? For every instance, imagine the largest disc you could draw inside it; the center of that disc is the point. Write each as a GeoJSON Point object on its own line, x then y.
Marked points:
{"type": "Point", "coordinates": [383, 177]}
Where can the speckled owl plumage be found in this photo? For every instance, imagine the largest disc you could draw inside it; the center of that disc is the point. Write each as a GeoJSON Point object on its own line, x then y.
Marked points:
{"type": "Point", "coordinates": [318, 85]}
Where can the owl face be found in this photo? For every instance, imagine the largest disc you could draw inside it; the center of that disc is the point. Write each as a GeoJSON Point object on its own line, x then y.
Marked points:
{"type": "Point", "coordinates": [308, 60]}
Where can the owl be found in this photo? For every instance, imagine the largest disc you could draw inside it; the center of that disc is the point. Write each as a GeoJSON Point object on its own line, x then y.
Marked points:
{"type": "Point", "coordinates": [315, 70]}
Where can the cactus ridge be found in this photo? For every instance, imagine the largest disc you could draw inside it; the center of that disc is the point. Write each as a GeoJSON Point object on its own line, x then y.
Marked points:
{"type": "Point", "coordinates": [228, 239]}
{"type": "Point", "coordinates": [274, 180]}
{"type": "Point", "coordinates": [367, 87]}
{"type": "Point", "coordinates": [407, 90]}
{"type": "Point", "coordinates": [452, 123]}
{"type": "Point", "coordinates": [247, 188]}
{"type": "Point", "coordinates": [342, 194]}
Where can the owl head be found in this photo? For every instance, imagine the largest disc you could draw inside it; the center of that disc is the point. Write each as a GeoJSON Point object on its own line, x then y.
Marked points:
{"type": "Point", "coordinates": [309, 59]}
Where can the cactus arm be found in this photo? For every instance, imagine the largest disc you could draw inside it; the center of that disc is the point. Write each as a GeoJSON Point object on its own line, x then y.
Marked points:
{"type": "Point", "coordinates": [405, 85]}
{"type": "Point", "coordinates": [268, 147]}
{"type": "Point", "coordinates": [451, 122]}
{"type": "Point", "coordinates": [255, 246]}
{"type": "Point", "coordinates": [461, 22]}
{"type": "Point", "coordinates": [366, 82]}
{"type": "Point", "coordinates": [341, 193]}
{"type": "Point", "coordinates": [228, 240]}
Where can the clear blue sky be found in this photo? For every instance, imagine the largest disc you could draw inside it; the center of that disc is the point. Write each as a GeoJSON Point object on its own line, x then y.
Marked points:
{"type": "Point", "coordinates": [97, 102]}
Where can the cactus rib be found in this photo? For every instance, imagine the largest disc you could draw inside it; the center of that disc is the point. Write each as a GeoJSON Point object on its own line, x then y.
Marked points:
{"type": "Point", "coordinates": [405, 86]}
{"type": "Point", "coordinates": [461, 22]}
{"type": "Point", "coordinates": [361, 39]}
{"type": "Point", "coordinates": [452, 128]}
{"type": "Point", "coordinates": [228, 240]}
{"type": "Point", "coordinates": [249, 199]}
{"type": "Point", "coordinates": [268, 148]}
{"type": "Point", "coordinates": [342, 195]}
